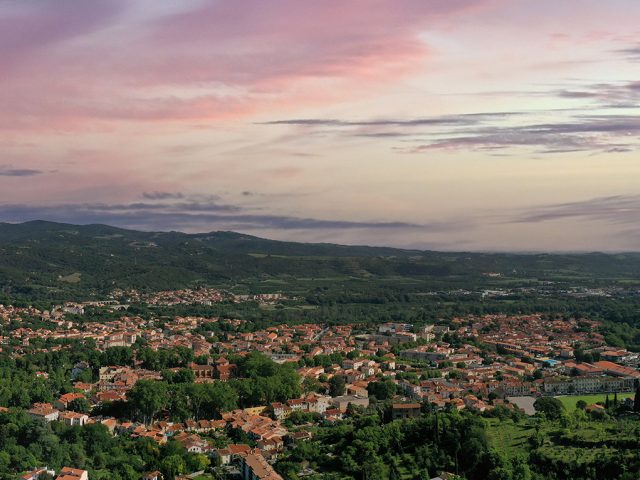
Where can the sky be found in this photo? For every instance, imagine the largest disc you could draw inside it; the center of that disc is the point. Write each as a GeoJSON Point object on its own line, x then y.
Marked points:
{"type": "Point", "coordinates": [492, 125]}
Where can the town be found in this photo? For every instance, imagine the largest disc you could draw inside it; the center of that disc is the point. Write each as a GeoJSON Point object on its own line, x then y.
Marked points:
{"type": "Point", "coordinates": [472, 363]}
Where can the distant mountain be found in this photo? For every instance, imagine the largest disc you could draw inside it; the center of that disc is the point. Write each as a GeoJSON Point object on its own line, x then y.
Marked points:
{"type": "Point", "coordinates": [49, 257]}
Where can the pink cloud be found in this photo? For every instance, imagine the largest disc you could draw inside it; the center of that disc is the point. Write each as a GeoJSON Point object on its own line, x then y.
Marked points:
{"type": "Point", "coordinates": [30, 27]}
{"type": "Point", "coordinates": [77, 70]}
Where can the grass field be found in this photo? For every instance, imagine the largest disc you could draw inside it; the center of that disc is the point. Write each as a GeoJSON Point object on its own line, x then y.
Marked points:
{"type": "Point", "coordinates": [508, 437]}
{"type": "Point", "coordinates": [569, 401]}
{"type": "Point", "coordinates": [567, 452]}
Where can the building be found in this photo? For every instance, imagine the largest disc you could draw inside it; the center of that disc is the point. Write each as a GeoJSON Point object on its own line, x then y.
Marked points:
{"type": "Point", "coordinates": [588, 384]}
{"type": "Point", "coordinates": [405, 410]}
{"type": "Point", "coordinates": [202, 371]}
{"type": "Point", "coordinates": [44, 411]}
{"type": "Point", "coordinates": [68, 473]}
{"type": "Point", "coordinates": [63, 402]}
{"type": "Point", "coordinates": [73, 418]}
{"type": "Point", "coordinates": [231, 452]}
{"type": "Point", "coordinates": [341, 403]}
{"type": "Point", "coordinates": [253, 466]}
{"type": "Point", "coordinates": [35, 474]}
{"type": "Point", "coordinates": [427, 353]}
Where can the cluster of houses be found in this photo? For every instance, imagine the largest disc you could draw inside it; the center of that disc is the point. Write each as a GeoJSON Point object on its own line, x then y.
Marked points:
{"type": "Point", "coordinates": [188, 296]}
{"type": "Point", "coordinates": [473, 363]}
{"type": "Point", "coordinates": [66, 473]}
{"type": "Point", "coordinates": [528, 355]}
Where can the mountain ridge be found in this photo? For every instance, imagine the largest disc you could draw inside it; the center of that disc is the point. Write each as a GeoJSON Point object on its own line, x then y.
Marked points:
{"type": "Point", "coordinates": [57, 256]}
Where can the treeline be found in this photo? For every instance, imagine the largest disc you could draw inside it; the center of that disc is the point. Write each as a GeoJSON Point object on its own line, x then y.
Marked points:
{"type": "Point", "coordinates": [367, 447]}
{"type": "Point", "coordinates": [260, 382]}
{"type": "Point", "coordinates": [26, 444]}
{"type": "Point", "coordinates": [552, 445]}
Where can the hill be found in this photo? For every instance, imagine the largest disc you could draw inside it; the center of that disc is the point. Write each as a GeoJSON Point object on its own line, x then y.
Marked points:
{"type": "Point", "coordinates": [51, 257]}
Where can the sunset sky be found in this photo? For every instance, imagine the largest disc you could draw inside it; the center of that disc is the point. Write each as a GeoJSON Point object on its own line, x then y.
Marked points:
{"type": "Point", "coordinates": [435, 124]}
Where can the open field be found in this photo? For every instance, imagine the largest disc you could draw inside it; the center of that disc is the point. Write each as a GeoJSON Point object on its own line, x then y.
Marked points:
{"type": "Point", "coordinates": [508, 437]}
{"type": "Point", "coordinates": [569, 401]}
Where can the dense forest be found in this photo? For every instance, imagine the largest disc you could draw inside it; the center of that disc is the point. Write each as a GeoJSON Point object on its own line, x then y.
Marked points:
{"type": "Point", "coordinates": [47, 260]}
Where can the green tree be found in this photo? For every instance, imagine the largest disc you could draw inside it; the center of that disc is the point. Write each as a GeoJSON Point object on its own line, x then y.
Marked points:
{"type": "Point", "coordinates": [80, 405]}
{"type": "Point", "coordinates": [198, 462]}
{"type": "Point", "coordinates": [171, 466]}
{"type": "Point", "coordinates": [551, 407]}
{"type": "Point", "coordinates": [147, 398]}
{"type": "Point", "coordinates": [337, 385]}
{"type": "Point", "coordinates": [383, 390]}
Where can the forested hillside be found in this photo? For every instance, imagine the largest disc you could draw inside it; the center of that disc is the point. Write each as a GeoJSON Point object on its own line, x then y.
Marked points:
{"type": "Point", "coordinates": [46, 257]}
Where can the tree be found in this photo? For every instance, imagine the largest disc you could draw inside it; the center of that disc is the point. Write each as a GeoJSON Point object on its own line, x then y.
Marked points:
{"type": "Point", "coordinates": [117, 356]}
{"type": "Point", "coordinates": [383, 390]}
{"type": "Point", "coordinates": [551, 407]}
{"type": "Point", "coordinates": [171, 466]}
{"type": "Point", "coordinates": [581, 404]}
{"type": "Point", "coordinates": [80, 405]}
{"type": "Point", "coordinates": [148, 397]}
{"type": "Point", "coordinates": [198, 462]}
{"type": "Point", "coordinates": [310, 384]}
{"type": "Point", "coordinates": [337, 385]}
{"type": "Point", "coordinates": [353, 354]}
{"type": "Point", "coordinates": [636, 400]}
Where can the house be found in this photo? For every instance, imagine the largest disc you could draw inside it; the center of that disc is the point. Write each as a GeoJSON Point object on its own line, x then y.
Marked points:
{"type": "Point", "coordinates": [445, 476]}
{"type": "Point", "coordinates": [155, 475]}
{"type": "Point", "coordinates": [44, 411]}
{"type": "Point", "coordinates": [226, 455]}
{"type": "Point", "coordinates": [341, 403]}
{"type": "Point", "coordinates": [35, 474]}
{"type": "Point", "coordinates": [82, 386]}
{"type": "Point", "coordinates": [63, 402]}
{"type": "Point", "coordinates": [68, 473]}
{"type": "Point", "coordinates": [253, 466]}
{"type": "Point", "coordinates": [357, 390]}
{"type": "Point", "coordinates": [192, 442]}
{"type": "Point", "coordinates": [225, 371]}
{"type": "Point", "coordinates": [405, 410]}
{"type": "Point", "coordinates": [110, 423]}
{"type": "Point", "coordinates": [202, 371]}
{"type": "Point", "coordinates": [296, 437]}
{"type": "Point", "coordinates": [108, 396]}
{"type": "Point", "coordinates": [73, 418]}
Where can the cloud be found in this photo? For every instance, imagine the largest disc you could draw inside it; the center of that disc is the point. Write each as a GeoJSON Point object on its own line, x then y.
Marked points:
{"type": "Point", "coordinates": [19, 172]}
{"type": "Point", "coordinates": [595, 133]}
{"type": "Point", "coordinates": [578, 94]}
{"type": "Point", "coordinates": [632, 53]}
{"type": "Point", "coordinates": [489, 132]}
{"type": "Point", "coordinates": [217, 60]}
{"type": "Point", "coordinates": [193, 217]}
{"type": "Point", "coordinates": [28, 28]}
{"type": "Point", "coordinates": [162, 195]}
{"type": "Point", "coordinates": [620, 209]}
{"type": "Point", "coordinates": [613, 95]}
{"type": "Point", "coordinates": [446, 120]}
